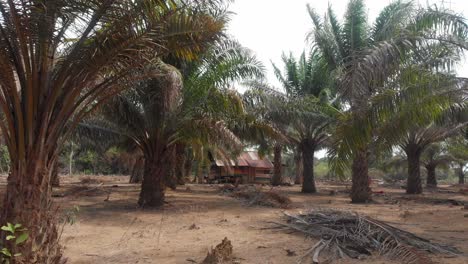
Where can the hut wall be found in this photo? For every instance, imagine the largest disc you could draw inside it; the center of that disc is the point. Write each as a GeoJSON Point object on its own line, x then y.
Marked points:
{"type": "Point", "coordinates": [263, 175]}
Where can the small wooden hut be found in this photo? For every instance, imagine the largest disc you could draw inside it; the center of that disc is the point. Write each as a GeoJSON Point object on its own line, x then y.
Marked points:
{"type": "Point", "coordinates": [247, 168]}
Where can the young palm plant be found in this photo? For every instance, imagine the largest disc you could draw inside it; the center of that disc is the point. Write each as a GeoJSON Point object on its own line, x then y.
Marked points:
{"type": "Point", "coordinates": [364, 56]}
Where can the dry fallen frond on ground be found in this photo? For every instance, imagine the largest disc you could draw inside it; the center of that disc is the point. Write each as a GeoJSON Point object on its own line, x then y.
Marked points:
{"type": "Point", "coordinates": [89, 180]}
{"type": "Point", "coordinates": [84, 190]}
{"type": "Point", "coordinates": [227, 188]}
{"type": "Point", "coordinates": [345, 234]}
{"type": "Point", "coordinates": [254, 195]}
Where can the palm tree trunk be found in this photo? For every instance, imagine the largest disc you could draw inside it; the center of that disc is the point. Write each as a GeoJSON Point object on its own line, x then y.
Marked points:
{"type": "Point", "coordinates": [431, 175]}
{"type": "Point", "coordinates": [188, 167]}
{"type": "Point", "coordinates": [277, 172]}
{"type": "Point", "coordinates": [200, 172]}
{"type": "Point", "coordinates": [152, 187]}
{"type": "Point", "coordinates": [299, 169]}
{"type": "Point", "coordinates": [28, 202]}
{"type": "Point", "coordinates": [360, 190]}
{"type": "Point", "coordinates": [137, 171]}
{"type": "Point", "coordinates": [55, 178]}
{"type": "Point", "coordinates": [180, 163]}
{"type": "Point", "coordinates": [70, 162]}
{"type": "Point", "coordinates": [308, 150]}
{"type": "Point", "coordinates": [461, 175]}
{"type": "Point", "coordinates": [413, 154]}
{"type": "Point", "coordinates": [170, 180]}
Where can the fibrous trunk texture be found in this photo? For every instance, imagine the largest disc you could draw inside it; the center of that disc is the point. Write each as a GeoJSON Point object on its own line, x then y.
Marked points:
{"type": "Point", "coordinates": [137, 171]}
{"type": "Point", "coordinates": [200, 172]}
{"type": "Point", "coordinates": [170, 180]}
{"type": "Point", "coordinates": [414, 185]}
{"type": "Point", "coordinates": [28, 202]}
{"type": "Point", "coordinates": [308, 150]}
{"type": "Point", "coordinates": [277, 170]}
{"type": "Point", "coordinates": [431, 175]}
{"type": "Point", "coordinates": [180, 164]}
{"type": "Point", "coordinates": [70, 160]}
{"type": "Point", "coordinates": [55, 178]}
{"type": "Point", "coordinates": [152, 187]}
{"type": "Point", "coordinates": [360, 190]}
{"type": "Point", "coordinates": [299, 169]}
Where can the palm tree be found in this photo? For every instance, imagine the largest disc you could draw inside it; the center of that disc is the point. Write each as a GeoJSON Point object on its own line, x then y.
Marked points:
{"type": "Point", "coordinates": [208, 95]}
{"type": "Point", "coordinates": [420, 109]}
{"type": "Point", "coordinates": [147, 116]}
{"type": "Point", "coordinates": [159, 116]}
{"type": "Point", "coordinates": [415, 143]}
{"type": "Point", "coordinates": [303, 80]}
{"type": "Point", "coordinates": [261, 100]}
{"type": "Point", "coordinates": [60, 60]}
{"type": "Point", "coordinates": [434, 156]}
{"type": "Point", "coordinates": [458, 149]}
{"type": "Point", "coordinates": [308, 75]}
{"type": "Point", "coordinates": [267, 134]}
{"type": "Point", "coordinates": [298, 166]}
{"type": "Point", "coordinates": [364, 56]}
{"type": "Point", "coordinates": [435, 91]}
{"type": "Point", "coordinates": [310, 122]}
{"type": "Point", "coordinates": [303, 121]}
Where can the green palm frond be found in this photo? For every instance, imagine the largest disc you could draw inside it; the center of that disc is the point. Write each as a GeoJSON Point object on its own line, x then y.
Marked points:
{"type": "Point", "coordinates": [307, 75]}
{"type": "Point", "coordinates": [336, 31]}
{"type": "Point", "coordinates": [392, 20]}
{"type": "Point", "coordinates": [423, 99]}
{"type": "Point", "coordinates": [212, 132]}
{"type": "Point", "coordinates": [394, 75]}
{"type": "Point", "coordinates": [457, 147]}
{"type": "Point", "coordinates": [212, 115]}
{"type": "Point", "coordinates": [437, 155]}
{"type": "Point", "coordinates": [355, 28]}
{"type": "Point", "coordinates": [74, 55]}
{"type": "Point", "coordinates": [226, 62]}
{"type": "Point", "coordinates": [315, 17]}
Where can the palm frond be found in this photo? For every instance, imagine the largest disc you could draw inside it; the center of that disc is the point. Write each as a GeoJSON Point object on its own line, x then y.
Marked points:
{"type": "Point", "coordinates": [391, 20]}
{"type": "Point", "coordinates": [355, 28]}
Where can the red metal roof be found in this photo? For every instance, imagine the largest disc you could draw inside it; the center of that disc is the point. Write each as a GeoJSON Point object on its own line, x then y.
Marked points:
{"type": "Point", "coordinates": [248, 159]}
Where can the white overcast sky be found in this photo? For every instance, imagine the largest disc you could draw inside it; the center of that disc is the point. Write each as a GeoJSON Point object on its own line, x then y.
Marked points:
{"type": "Point", "coordinates": [269, 27]}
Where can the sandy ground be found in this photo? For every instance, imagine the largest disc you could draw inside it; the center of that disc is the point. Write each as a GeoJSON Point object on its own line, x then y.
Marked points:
{"type": "Point", "coordinates": [197, 218]}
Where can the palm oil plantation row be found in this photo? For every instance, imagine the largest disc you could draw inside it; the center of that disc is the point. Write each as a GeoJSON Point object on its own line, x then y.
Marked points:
{"type": "Point", "coordinates": [125, 85]}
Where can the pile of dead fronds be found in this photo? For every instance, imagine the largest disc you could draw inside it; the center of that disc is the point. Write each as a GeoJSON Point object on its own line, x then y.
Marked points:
{"type": "Point", "coordinates": [345, 234]}
{"type": "Point", "coordinates": [89, 180]}
{"type": "Point", "coordinates": [227, 188]}
{"type": "Point", "coordinates": [85, 190]}
{"type": "Point", "coordinates": [255, 195]}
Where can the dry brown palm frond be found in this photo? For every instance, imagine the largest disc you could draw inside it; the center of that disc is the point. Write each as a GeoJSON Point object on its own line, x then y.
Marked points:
{"type": "Point", "coordinates": [347, 234]}
{"type": "Point", "coordinates": [255, 196]}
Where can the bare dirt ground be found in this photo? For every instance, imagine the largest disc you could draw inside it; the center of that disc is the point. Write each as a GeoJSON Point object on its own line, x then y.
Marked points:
{"type": "Point", "coordinates": [109, 227]}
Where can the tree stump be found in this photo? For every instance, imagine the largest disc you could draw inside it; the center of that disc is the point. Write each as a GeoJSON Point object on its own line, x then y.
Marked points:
{"type": "Point", "coordinates": [221, 254]}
